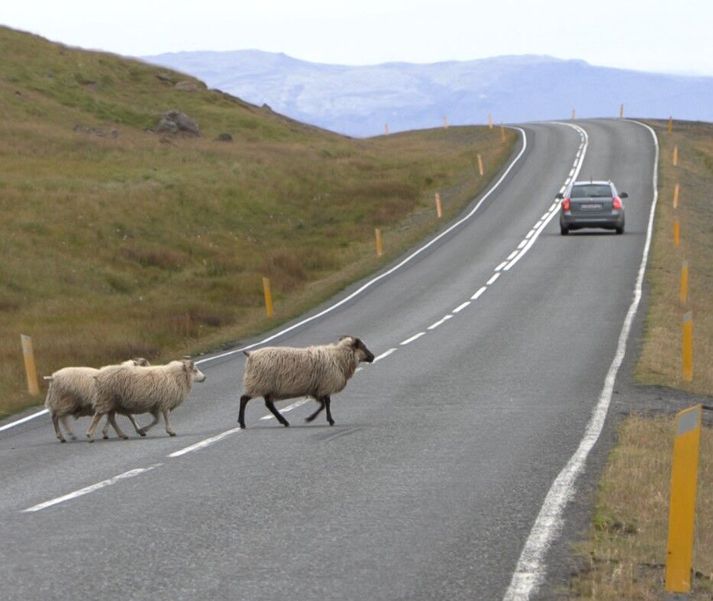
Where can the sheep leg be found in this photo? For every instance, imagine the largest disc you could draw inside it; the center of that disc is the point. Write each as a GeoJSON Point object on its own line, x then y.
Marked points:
{"type": "Point", "coordinates": [154, 421]}
{"type": "Point", "coordinates": [132, 419]}
{"type": "Point", "coordinates": [327, 403]}
{"type": "Point", "coordinates": [270, 405]}
{"type": "Point", "coordinates": [169, 430]}
{"type": "Point", "coordinates": [241, 414]}
{"type": "Point", "coordinates": [105, 429]}
{"type": "Point", "coordinates": [63, 420]}
{"type": "Point", "coordinates": [57, 431]}
{"type": "Point", "coordinates": [93, 426]}
{"type": "Point", "coordinates": [316, 413]}
{"type": "Point", "coordinates": [112, 418]}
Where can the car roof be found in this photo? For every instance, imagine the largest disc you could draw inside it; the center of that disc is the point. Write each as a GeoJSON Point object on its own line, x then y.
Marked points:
{"type": "Point", "coordinates": [592, 181]}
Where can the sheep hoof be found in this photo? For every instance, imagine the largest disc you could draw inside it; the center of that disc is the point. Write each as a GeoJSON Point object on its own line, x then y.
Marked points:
{"type": "Point", "coordinates": [286, 424]}
{"type": "Point", "coordinates": [105, 436]}
{"type": "Point", "coordinates": [331, 423]}
{"type": "Point", "coordinates": [61, 440]}
{"type": "Point", "coordinates": [124, 437]}
{"type": "Point", "coordinates": [142, 432]}
{"type": "Point", "coordinates": [171, 433]}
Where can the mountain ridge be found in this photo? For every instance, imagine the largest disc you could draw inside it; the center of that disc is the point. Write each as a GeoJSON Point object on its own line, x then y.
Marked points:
{"type": "Point", "coordinates": [363, 100]}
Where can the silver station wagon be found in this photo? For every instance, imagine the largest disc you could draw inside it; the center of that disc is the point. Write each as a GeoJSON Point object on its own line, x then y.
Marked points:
{"type": "Point", "coordinates": [595, 204]}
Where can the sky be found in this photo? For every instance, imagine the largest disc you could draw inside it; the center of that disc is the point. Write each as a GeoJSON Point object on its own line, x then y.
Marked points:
{"type": "Point", "coordinates": [645, 35]}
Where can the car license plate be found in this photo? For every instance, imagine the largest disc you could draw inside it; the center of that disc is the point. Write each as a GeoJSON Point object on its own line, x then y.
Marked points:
{"type": "Point", "coordinates": [591, 207]}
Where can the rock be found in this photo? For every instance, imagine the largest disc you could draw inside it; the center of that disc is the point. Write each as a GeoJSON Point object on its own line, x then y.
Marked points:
{"type": "Point", "coordinates": [176, 122]}
{"type": "Point", "coordinates": [187, 86]}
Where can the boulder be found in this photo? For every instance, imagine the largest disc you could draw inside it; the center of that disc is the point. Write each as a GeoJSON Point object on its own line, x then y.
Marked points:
{"type": "Point", "coordinates": [176, 122]}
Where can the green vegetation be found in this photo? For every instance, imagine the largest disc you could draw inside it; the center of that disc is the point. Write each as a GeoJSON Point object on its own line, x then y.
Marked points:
{"type": "Point", "coordinates": [118, 241]}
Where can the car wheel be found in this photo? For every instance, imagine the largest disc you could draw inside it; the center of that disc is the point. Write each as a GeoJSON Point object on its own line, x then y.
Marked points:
{"type": "Point", "coordinates": [564, 230]}
{"type": "Point", "coordinates": [620, 230]}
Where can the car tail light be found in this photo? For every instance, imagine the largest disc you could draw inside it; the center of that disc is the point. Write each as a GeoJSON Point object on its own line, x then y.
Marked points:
{"type": "Point", "coordinates": [616, 203]}
{"type": "Point", "coordinates": [566, 205]}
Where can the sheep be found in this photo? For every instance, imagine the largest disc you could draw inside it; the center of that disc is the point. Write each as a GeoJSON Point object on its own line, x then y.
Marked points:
{"type": "Point", "coordinates": [72, 391]}
{"type": "Point", "coordinates": [133, 389]}
{"type": "Point", "coordinates": [278, 373]}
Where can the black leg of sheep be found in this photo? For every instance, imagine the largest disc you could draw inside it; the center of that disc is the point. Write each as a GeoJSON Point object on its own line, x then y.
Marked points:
{"type": "Point", "coordinates": [324, 403]}
{"type": "Point", "coordinates": [271, 406]}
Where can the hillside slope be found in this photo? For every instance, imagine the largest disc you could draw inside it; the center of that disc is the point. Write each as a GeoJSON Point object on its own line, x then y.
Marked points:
{"type": "Point", "coordinates": [118, 240]}
{"type": "Point", "coordinates": [359, 100]}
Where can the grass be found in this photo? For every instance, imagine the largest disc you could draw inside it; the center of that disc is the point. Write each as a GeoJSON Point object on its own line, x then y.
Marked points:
{"type": "Point", "coordinates": [625, 553]}
{"type": "Point", "coordinates": [117, 241]}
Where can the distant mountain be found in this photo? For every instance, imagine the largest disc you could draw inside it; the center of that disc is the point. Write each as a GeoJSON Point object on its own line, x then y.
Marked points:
{"type": "Point", "coordinates": [359, 101]}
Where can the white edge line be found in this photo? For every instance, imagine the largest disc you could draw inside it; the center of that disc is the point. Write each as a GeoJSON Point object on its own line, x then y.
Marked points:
{"type": "Point", "coordinates": [23, 420]}
{"type": "Point", "coordinates": [365, 285]}
{"type": "Point", "coordinates": [204, 443]}
{"type": "Point", "coordinates": [478, 294]}
{"type": "Point", "coordinates": [530, 570]}
{"type": "Point", "coordinates": [92, 488]}
{"type": "Point", "coordinates": [460, 307]}
{"type": "Point", "coordinates": [413, 338]}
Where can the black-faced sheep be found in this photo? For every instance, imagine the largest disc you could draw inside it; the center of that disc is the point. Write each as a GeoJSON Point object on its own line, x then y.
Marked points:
{"type": "Point", "coordinates": [72, 391]}
{"type": "Point", "coordinates": [277, 373]}
{"type": "Point", "coordinates": [132, 389]}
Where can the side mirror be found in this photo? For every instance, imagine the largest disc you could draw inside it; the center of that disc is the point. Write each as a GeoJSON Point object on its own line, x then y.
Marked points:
{"type": "Point", "coordinates": [559, 196]}
{"type": "Point", "coordinates": [623, 195]}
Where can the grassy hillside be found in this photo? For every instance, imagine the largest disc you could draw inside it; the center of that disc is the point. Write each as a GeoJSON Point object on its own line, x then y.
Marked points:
{"type": "Point", "coordinates": [119, 241]}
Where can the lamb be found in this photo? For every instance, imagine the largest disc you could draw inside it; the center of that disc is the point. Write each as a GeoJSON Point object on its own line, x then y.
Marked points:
{"type": "Point", "coordinates": [72, 391]}
{"type": "Point", "coordinates": [134, 389]}
{"type": "Point", "coordinates": [277, 373]}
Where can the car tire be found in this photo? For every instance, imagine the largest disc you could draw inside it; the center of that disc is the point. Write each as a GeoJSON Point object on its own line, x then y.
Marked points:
{"type": "Point", "coordinates": [620, 230]}
{"type": "Point", "coordinates": [564, 230]}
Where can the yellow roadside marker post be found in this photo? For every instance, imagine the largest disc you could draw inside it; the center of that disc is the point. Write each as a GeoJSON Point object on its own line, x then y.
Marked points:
{"type": "Point", "coordinates": [683, 288]}
{"type": "Point", "coordinates": [621, 112]}
{"type": "Point", "coordinates": [379, 243]}
{"type": "Point", "coordinates": [480, 165]}
{"type": "Point", "coordinates": [687, 347]}
{"type": "Point", "coordinates": [670, 124]}
{"type": "Point", "coordinates": [682, 502]}
{"type": "Point", "coordinates": [268, 296]}
{"type": "Point", "coordinates": [439, 207]}
{"type": "Point", "coordinates": [676, 192]}
{"type": "Point", "coordinates": [675, 156]}
{"type": "Point", "coordinates": [676, 232]}
{"type": "Point", "coordinates": [490, 121]}
{"type": "Point", "coordinates": [30, 368]}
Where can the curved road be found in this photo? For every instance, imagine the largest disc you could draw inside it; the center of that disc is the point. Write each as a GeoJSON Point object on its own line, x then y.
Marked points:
{"type": "Point", "coordinates": [494, 344]}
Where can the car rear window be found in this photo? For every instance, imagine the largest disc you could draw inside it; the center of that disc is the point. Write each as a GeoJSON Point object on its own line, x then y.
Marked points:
{"type": "Point", "coordinates": [591, 191]}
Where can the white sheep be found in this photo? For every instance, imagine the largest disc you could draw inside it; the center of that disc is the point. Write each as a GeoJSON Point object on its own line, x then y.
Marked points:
{"type": "Point", "coordinates": [277, 373]}
{"type": "Point", "coordinates": [133, 389]}
{"type": "Point", "coordinates": [72, 391]}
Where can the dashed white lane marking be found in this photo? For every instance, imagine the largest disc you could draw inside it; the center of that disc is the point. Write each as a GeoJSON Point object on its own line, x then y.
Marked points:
{"type": "Point", "coordinates": [292, 406]}
{"type": "Point", "coordinates": [204, 443]}
{"type": "Point", "coordinates": [519, 246]}
{"type": "Point", "coordinates": [414, 337]}
{"type": "Point", "coordinates": [511, 255]}
{"type": "Point", "coordinates": [493, 278]}
{"type": "Point", "coordinates": [92, 488]}
{"type": "Point", "coordinates": [460, 307]}
{"type": "Point", "coordinates": [531, 569]}
{"type": "Point", "coordinates": [391, 351]}
{"type": "Point", "coordinates": [499, 267]}
{"type": "Point", "coordinates": [440, 322]}
{"type": "Point", "coordinates": [478, 294]}
{"type": "Point", "coordinates": [527, 237]}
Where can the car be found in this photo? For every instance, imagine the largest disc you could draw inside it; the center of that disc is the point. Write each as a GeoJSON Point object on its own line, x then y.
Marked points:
{"type": "Point", "coordinates": [592, 204]}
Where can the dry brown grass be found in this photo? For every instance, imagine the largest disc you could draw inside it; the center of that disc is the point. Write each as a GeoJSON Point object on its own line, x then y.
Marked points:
{"type": "Point", "coordinates": [626, 553]}
{"type": "Point", "coordinates": [660, 361]}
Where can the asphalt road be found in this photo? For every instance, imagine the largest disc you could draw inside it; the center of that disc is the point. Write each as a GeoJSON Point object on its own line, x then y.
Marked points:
{"type": "Point", "coordinates": [443, 451]}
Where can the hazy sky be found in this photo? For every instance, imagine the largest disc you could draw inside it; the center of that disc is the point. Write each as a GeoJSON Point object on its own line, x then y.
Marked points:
{"type": "Point", "coordinates": [647, 35]}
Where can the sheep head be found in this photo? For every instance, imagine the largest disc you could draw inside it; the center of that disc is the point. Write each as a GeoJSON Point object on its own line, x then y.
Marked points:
{"type": "Point", "coordinates": [359, 348]}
